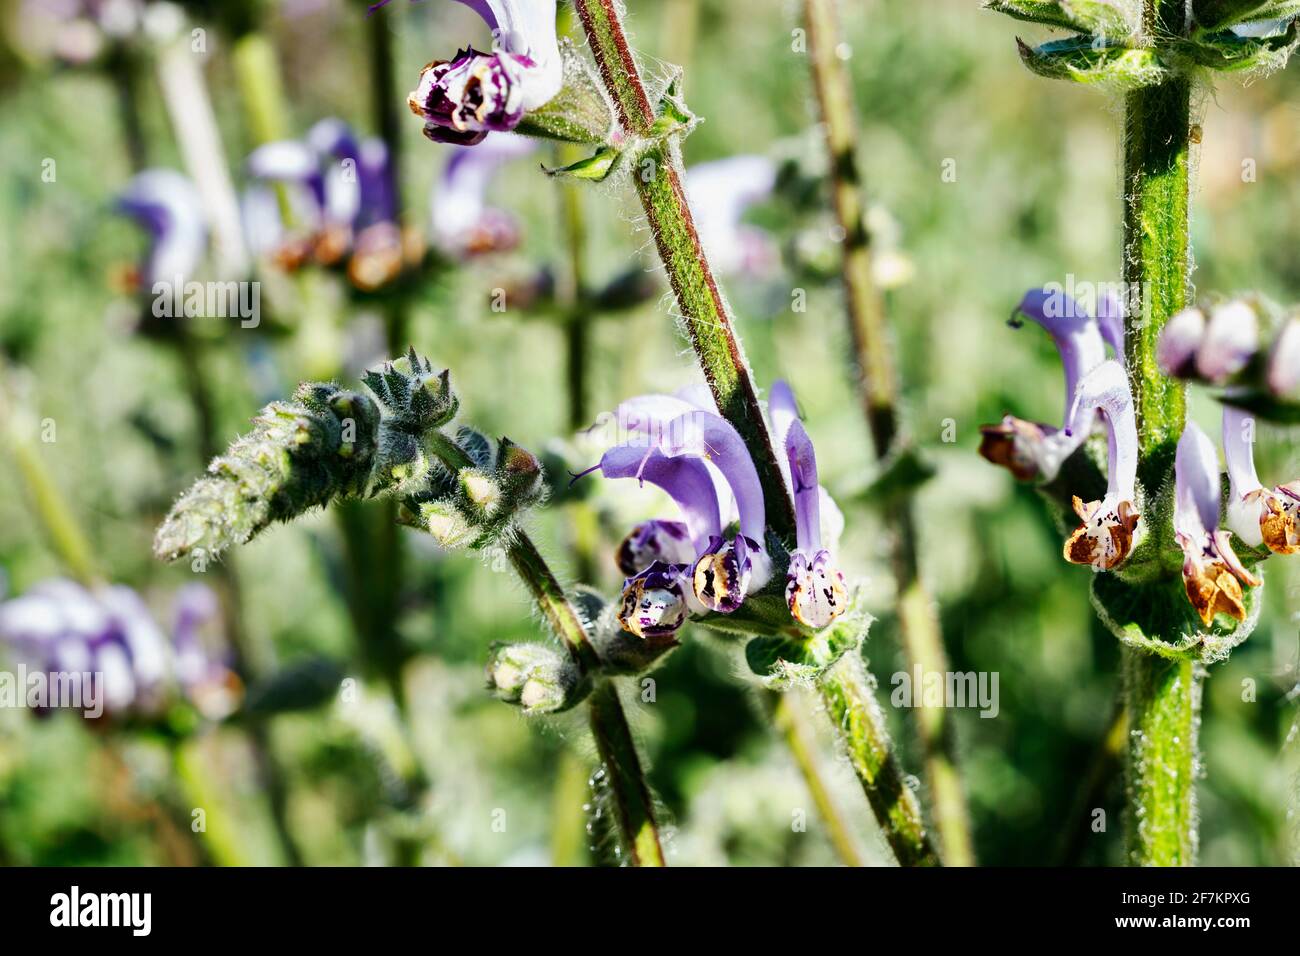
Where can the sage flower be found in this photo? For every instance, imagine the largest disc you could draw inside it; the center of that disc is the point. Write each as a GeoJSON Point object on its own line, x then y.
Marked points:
{"type": "Point", "coordinates": [1284, 362]}
{"type": "Point", "coordinates": [721, 192]}
{"type": "Point", "coordinates": [1032, 450]}
{"type": "Point", "coordinates": [168, 208]}
{"type": "Point", "coordinates": [1213, 575]}
{"type": "Point", "coordinates": [109, 636]}
{"type": "Point", "coordinates": [462, 99]}
{"type": "Point", "coordinates": [815, 588]}
{"type": "Point", "coordinates": [1257, 515]}
{"type": "Point", "coordinates": [462, 222]}
{"type": "Point", "coordinates": [341, 208]}
{"type": "Point", "coordinates": [1106, 537]}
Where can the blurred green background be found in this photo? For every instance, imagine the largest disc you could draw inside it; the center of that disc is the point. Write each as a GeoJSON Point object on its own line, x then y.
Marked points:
{"type": "Point", "coordinates": [1034, 199]}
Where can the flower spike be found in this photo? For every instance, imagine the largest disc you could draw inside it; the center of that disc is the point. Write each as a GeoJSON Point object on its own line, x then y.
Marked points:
{"type": "Point", "coordinates": [1105, 539]}
{"type": "Point", "coordinates": [1213, 575]}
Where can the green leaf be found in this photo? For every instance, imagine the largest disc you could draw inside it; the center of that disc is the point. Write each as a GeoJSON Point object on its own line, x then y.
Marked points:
{"type": "Point", "coordinates": [1157, 617]}
{"type": "Point", "coordinates": [1051, 13]}
{"type": "Point", "coordinates": [1212, 15]}
{"type": "Point", "coordinates": [595, 168]}
{"type": "Point", "coordinates": [1085, 60]}
{"type": "Point", "coordinates": [1229, 53]}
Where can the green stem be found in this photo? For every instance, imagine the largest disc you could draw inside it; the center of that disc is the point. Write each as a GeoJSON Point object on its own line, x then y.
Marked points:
{"type": "Point", "coordinates": [788, 717]}
{"type": "Point", "coordinates": [877, 387]}
{"type": "Point", "coordinates": [853, 709]}
{"type": "Point", "coordinates": [1163, 697]}
{"type": "Point", "coordinates": [634, 811]}
{"type": "Point", "coordinates": [708, 320]}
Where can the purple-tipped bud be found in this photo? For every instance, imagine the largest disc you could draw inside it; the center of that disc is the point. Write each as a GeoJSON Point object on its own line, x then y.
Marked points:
{"type": "Point", "coordinates": [1180, 340]}
{"type": "Point", "coordinates": [654, 602]}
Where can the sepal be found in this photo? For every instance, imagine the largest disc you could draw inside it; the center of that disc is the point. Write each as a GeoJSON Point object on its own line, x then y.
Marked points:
{"type": "Point", "coordinates": [1095, 61]}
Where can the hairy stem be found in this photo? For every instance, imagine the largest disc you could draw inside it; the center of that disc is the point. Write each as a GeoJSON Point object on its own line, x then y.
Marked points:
{"type": "Point", "coordinates": [633, 804]}
{"type": "Point", "coordinates": [707, 317]}
{"type": "Point", "coordinates": [853, 709]}
{"type": "Point", "coordinates": [877, 387]}
{"type": "Point", "coordinates": [1163, 697]}
{"type": "Point", "coordinates": [787, 715]}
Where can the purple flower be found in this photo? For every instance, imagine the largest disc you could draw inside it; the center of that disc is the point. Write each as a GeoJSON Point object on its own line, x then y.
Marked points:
{"type": "Point", "coordinates": [721, 191]}
{"type": "Point", "coordinates": [1213, 575]}
{"type": "Point", "coordinates": [463, 99]}
{"type": "Point", "coordinates": [1105, 539]}
{"type": "Point", "coordinates": [1257, 515]}
{"type": "Point", "coordinates": [1031, 450]}
{"type": "Point", "coordinates": [462, 222]}
{"type": "Point", "coordinates": [1284, 362]}
{"type": "Point", "coordinates": [168, 207]}
{"type": "Point", "coordinates": [341, 206]}
{"type": "Point", "coordinates": [1213, 348]}
{"type": "Point", "coordinates": [814, 588]}
{"type": "Point", "coordinates": [106, 644]}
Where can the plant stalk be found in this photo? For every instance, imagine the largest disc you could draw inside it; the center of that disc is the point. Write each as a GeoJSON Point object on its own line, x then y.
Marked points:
{"type": "Point", "coordinates": [708, 321]}
{"type": "Point", "coordinates": [877, 386]}
{"type": "Point", "coordinates": [634, 807]}
{"type": "Point", "coordinates": [1163, 697]}
{"type": "Point", "coordinates": [704, 310]}
{"type": "Point", "coordinates": [853, 709]}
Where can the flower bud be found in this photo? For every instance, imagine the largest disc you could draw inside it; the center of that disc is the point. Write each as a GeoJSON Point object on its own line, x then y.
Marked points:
{"type": "Point", "coordinates": [1231, 340]}
{"type": "Point", "coordinates": [1284, 362]}
{"type": "Point", "coordinates": [541, 679]}
{"type": "Point", "coordinates": [1179, 341]}
{"type": "Point", "coordinates": [668, 542]}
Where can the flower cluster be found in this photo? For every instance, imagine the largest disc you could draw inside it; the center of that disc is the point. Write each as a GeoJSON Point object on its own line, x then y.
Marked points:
{"type": "Point", "coordinates": [705, 562]}
{"type": "Point", "coordinates": [1098, 394]}
{"type": "Point", "coordinates": [341, 208]}
{"type": "Point", "coordinates": [1240, 343]}
{"type": "Point", "coordinates": [108, 635]}
{"type": "Point", "coordinates": [462, 99]}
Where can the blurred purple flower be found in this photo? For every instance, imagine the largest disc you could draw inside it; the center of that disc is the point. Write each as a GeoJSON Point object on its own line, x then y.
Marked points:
{"type": "Point", "coordinates": [463, 99]}
{"type": "Point", "coordinates": [168, 207]}
{"type": "Point", "coordinates": [341, 206]}
{"type": "Point", "coordinates": [462, 223]}
{"type": "Point", "coordinates": [67, 631]}
{"type": "Point", "coordinates": [721, 192]}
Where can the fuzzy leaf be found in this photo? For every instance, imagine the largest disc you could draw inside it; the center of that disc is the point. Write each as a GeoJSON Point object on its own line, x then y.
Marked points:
{"type": "Point", "coordinates": [1157, 617]}
{"type": "Point", "coordinates": [1051, 13]}
{"type": "Point", "coordinates": [1229, 53]}
{"type": "Point", "coordinates": [784, 662]}
{"type": "Point", "coordinates": [1085, 60]}
{"type": "Point", "coordinates": [1212, 15]}
{"type": "Point", "coordinates": [595, 168]}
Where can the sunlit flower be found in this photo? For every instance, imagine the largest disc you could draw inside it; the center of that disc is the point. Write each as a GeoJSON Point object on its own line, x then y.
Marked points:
{"type": "Point", "coordinates": [168, 207]}
{"type": "Point", "coordinates": [463, 224]}
{"type": "Point", "coordinates": [815, 588]}
{"type": "Point", "coordinates": [1106, 537]}
{"type": "Point", "coordinates": [1031, 450]}
{"type": "Point", "coordinates": [1213, 575]}
{"type": "Point", "coordinates": [463, 99]}
{"type": "Point", "coordinates": [1256, 514]}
